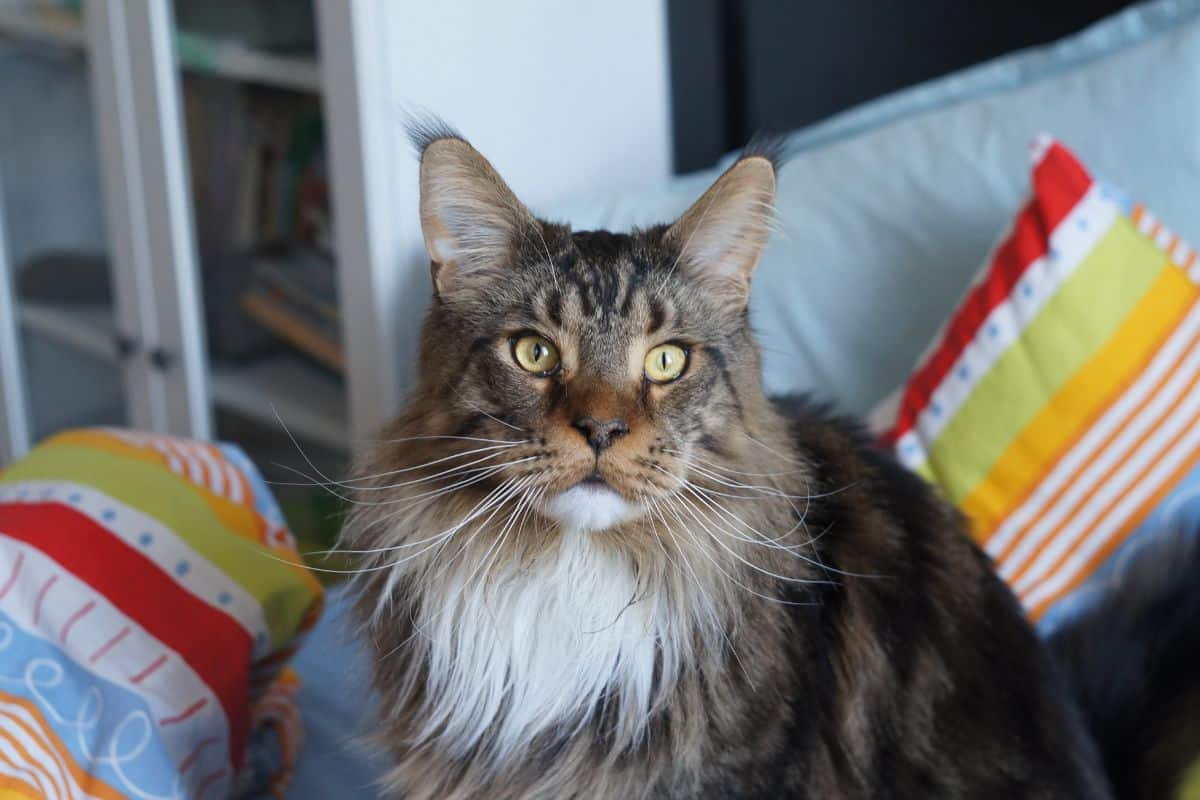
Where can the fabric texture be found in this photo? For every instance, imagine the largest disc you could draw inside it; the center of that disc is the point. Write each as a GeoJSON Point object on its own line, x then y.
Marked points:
{"type": "Point", "coordinates": [150, 599]}
{"type": "Point", "coordinates": [1059, 408]}
{"type": "Point", "coordinates": [884, 213]}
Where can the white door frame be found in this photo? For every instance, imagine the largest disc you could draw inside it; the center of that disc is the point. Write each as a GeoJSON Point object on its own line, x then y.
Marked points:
{"type": "Point", "coordinates": [15, 431]}
{"type": "Point", "coordinates": [362, 125]}
{"type": "Point", "coordinates": [135, 86]}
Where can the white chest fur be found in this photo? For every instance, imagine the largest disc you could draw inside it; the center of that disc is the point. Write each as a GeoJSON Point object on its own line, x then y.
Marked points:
{"type": "Point", "coordinates": [542, 648]}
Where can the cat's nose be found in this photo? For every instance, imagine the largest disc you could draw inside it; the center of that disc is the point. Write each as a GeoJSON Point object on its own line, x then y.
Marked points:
{"type": "Point", "coordinates": [600, 433]}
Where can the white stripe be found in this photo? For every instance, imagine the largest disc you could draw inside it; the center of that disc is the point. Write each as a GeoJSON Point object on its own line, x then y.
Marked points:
{"type": "Point", "coordinates": [173, 462]}
{"type": "Point", "coordinates": [1164, 239]}
{"type": "Point", "coordinates": [166, 692]}
{"type": "Point", "coordinates": [194, 470]}
{"type": "Point", "coordinates": [1147, 223]}
{"type": "Point", "coordinates": [1181, 252]}
{"type": "Point", "coordinates": [234, 478]}
{"type": "Point", "coordinates": [202, 579]}
{"type": "Point", "coordinates": [1194, 271]}
{"type": "Point", "coordinates": [1127, 475]}
{"type": "Point", "coordinates": [46, 757]}
{"type": "Point", "coordinates": [19, 713]}
{"type": "Point", "coordinates": [216, 476]}
{"type": "Point", "coordinates": [26, 775]}
{"type": "Point", "coordinates": [1008, 320]}
{"type": "Point", "coordinates": [1174, 458]}
{"type": "Point", "coordinates": [1172, 350]}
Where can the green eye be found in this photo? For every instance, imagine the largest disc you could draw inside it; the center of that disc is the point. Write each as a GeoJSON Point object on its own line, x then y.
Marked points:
{"type": "Point", "coordinates": [665, 363]}
{"type": "Point", "coordinates": [535, 354]}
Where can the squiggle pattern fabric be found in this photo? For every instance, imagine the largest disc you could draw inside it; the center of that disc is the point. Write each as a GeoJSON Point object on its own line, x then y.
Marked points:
{"type": "Point", "coordinates": [149, 602]}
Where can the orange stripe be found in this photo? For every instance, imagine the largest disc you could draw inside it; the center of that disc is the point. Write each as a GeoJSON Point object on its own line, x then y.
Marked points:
{"type": "Point", "coordinates": [239, 518]}
{"type": "Point", "coordinates": [1121, 535]}
{"type": "Point", "coordinates": [1078, 404]}
{"type": "Point", "coordinates": [18, 787]}
{"type": "Point", "coordinates": [1103, 480]}
{"type": "Point", "coordinates": [89, 783]}
{"type": "Point", "coordinates": [25, 761]}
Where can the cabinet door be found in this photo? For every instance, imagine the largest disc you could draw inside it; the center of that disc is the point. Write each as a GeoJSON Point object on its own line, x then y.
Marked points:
{"type": "Point", "coordinates": [15, 429]}
{"type": "Point", "coordinates": [59, 359]}
{"type": "Point", "coordinates": [149, 217]}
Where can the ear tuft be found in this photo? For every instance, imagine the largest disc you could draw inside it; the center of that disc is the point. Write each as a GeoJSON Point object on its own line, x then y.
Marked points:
{"type": "Point", "coordinates": [721, 237]}
{"type": "Point", "coordinates": [470, 219]}
{"type": "Point", "coordinates": [425, 128]}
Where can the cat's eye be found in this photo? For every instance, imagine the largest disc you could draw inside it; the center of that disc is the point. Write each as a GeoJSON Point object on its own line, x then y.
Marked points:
{"type": "Point", "coordinates": [535, 354]}
{"type": "Point", "coordinates": [665, 363]}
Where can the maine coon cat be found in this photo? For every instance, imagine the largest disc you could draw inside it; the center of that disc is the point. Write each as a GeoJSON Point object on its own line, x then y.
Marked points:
{"type": "Point", "coordinates": [597, 562]}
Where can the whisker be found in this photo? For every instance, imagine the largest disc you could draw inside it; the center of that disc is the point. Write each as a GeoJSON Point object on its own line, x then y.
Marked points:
{"type": "Point", "coordinates": [655, 508]}
{"type": "Point", "coordinates": [723, 468]}
{"type": "Point", "coordinates": [461, 454]}
{"type": "Point", "coordinates": [691, 509]}
{"type": "Point", "coordinates": [704, 552]}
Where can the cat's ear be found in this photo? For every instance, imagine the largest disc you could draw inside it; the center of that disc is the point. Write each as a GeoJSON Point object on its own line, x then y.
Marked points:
{"type": "Point", "coordinates": [470, 219]}
{"type": "Point", "coordinates": [720, 239]}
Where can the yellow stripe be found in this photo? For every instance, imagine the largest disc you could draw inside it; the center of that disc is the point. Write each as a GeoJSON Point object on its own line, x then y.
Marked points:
{"type": "Point", "coordinates": [284, 591]}
{"type": "Point", "coordinates": [241, 519]}
{"type": "Point", "coordinates": [1086, 311]}
{"type": "Point", "coordinates": [1079, 402]}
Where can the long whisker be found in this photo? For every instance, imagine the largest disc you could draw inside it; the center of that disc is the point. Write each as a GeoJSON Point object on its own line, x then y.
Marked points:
{"type": "Point", "coordinates": [692, 510]}
{"type": "Point", "coordinates": [704, 552]}
{"type": "Point", "coordinates": [486, 502]}
{"type": "Point", "coordinates": [654, 508]}
{"type": "Point", "coordinates": [726, 469]}
{"type": "Point", "coordinates": [349, 483]}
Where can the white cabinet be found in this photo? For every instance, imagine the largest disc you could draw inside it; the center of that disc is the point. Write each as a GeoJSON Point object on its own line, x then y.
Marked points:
{"type": "Point", "coordinates": [563, 97]}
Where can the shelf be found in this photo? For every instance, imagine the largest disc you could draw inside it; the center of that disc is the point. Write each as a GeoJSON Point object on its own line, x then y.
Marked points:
{"type": "Point", "coordinates": [208, 56]}
{"type": "Point", "coordinates": [203, 55]}
{"type": "Point", "coordinates": [310, 401]}
{"type": "Point", "coordinates": [41, 24]}
{"type": "Point", "coordinates": [89, 330]}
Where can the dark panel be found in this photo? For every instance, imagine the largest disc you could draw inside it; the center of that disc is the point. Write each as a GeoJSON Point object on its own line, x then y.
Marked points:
{"type": "Point", "coordinates": [700, 82]}
{"type": "Point", "coordinates": [788, 63]}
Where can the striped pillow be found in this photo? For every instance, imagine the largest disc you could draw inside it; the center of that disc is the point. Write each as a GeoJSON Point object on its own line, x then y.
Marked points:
{"type": "Point", "coordinates": [1059, 408]}
{"type": "Point", "coordinates": [146, 621]}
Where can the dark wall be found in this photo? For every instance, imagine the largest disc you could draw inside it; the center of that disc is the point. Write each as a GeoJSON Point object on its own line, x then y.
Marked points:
{"type": "Point", "coordinates": [743, 66]}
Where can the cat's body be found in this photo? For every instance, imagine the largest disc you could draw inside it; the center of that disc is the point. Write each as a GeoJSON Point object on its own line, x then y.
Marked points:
{"type": "Point", "coordinates": [599, 563]}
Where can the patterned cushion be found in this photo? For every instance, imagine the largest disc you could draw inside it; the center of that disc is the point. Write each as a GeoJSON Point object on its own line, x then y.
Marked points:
{"type": "Point", "coordinates": [146, 619]}
{"type": "Point", "coordinates": [1059, 406]}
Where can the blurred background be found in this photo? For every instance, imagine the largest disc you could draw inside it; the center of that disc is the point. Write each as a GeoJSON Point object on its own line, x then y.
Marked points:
{"type": "Point", "coordinates": [208, 207]}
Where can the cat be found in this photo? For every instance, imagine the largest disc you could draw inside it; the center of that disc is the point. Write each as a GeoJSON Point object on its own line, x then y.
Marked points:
{"type": "Point", "coordinates": [596, 561]}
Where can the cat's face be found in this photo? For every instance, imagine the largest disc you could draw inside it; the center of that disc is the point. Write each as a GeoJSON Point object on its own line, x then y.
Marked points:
{"type": "Point", "coordinates": [603, 368]}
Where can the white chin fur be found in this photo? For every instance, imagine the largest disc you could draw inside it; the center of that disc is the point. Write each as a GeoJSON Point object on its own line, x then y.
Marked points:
{"type": "Point", "coordinates": [590, 508]}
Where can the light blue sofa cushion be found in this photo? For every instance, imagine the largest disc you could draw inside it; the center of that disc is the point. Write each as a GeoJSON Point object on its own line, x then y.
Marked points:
{"type": "Point", "coordinates": [886, 212]}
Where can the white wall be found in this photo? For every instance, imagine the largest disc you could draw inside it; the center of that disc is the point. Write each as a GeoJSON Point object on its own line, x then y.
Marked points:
{"type": "Point", "coordinates": [564, 97]}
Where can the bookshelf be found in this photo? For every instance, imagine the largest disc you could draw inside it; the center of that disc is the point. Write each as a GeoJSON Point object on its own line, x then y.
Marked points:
{"type": "Point", "coordinates": [203, 55]}
{"type": "Point", "coordinates": [309, 399]}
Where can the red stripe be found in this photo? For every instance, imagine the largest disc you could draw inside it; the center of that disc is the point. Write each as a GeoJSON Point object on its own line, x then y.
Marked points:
{"type": "Point", "coordinates": [12, 578]}
{"type": "Point", "coordinates": [41, 598]}
{"type": "Point", "coordinates": [78, 615]}
{"type": "Point", "coordinates": [1059, 183]}
{"type": "Point", "coordinates": [196, 751]}
{"type": "Point", "coordinates": [187, 713]}
{"type": "Point", "coordinates": [154, 667]}
{"type": "Point", "coordinates": [208, 781]}
{"type": "Point", "coordinates": [211, 642]}
{"type": "Point", "coordinates": [103, 650]}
